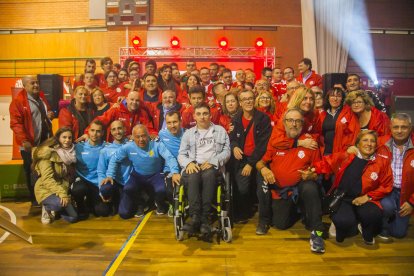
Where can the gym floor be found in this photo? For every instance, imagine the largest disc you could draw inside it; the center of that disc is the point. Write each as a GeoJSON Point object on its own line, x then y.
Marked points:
{"type": "Point", "coordinates": [147, 246]}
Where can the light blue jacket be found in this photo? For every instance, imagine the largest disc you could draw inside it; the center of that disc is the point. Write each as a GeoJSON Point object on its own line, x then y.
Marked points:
{"type": "Point", "coordinates": [187, 152]}
{"type": "Point", "coordinates": [87, 157]}
{"type": "Point", "coordinates": [144, 161]}
{"type": "Point", "coordinates": [122, 175]}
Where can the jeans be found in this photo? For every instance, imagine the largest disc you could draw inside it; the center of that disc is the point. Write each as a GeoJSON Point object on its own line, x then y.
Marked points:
{"type": "Point", "coordinates": [201, 188]}
{"type": "Point", "coordinates": [68, 213]}
{"type": "Point", "coordinates": [393, 224]}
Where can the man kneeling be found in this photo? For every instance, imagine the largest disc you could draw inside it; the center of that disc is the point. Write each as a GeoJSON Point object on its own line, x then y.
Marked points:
{"type": "Point", "coordinates": [293, 185]}
{"type": "Point", "coordinates": [204, 150]}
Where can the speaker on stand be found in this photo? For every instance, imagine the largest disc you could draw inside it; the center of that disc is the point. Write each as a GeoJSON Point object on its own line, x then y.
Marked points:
{"type": "Point", "coordinates": [52, 86]}
{"type": "Point", "coordinates": [330, 79]}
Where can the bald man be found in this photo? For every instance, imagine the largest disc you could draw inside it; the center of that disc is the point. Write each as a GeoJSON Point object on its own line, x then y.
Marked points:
{"type": "Point", "coordinates": [149, 159]}
{"type": "Point", "coordinates": [30, 120]}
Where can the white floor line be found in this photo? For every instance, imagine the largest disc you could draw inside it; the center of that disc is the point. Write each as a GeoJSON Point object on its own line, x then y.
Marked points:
{"type": "Point", "coordinates": [12, 219]}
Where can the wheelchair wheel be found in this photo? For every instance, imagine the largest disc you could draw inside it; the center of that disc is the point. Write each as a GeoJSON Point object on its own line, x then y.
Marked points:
{"type": "Point", "coordinates": [227, 234]}
{"type": "Point", "coordinates": [178, 225]}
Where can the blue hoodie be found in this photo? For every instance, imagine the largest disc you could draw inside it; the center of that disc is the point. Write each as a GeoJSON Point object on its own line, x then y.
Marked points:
{"type": "Point", "coordinates": [170, 141]}
{"type": "Point", "coordinates": [107, 152]}
{"type": "Point", "coordinates": [87, 157]}
{"type": "Point", "coordinates": [145, 161]}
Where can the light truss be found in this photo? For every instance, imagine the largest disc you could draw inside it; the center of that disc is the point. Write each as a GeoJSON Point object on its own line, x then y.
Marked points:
{"type": "Point", "coordinates": [267, 54]}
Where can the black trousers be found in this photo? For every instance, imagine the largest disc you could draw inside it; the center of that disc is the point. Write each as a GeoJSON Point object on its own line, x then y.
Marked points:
{"type": "Point", "coordinates": [201, 189]}
{"type": "Point", "coordinates": [93, 203]}
{"type": "Point", "coordinates": [348, 216]}
{"type": "Point", "coordinates": [31, 175]}
{"type": "Point", "coordinates": [286, 212]}
{"type": "Point", "coordinates": [243, 192]}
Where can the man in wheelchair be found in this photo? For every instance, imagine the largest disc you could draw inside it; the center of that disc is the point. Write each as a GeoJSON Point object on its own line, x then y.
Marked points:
{"type": "Point", "coordinates": [204, 150]}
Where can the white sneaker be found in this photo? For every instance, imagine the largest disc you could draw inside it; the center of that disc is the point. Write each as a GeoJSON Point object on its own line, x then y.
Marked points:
{"type": "Point", "coordinates": [332, 230]}
{"type": "Point", "coordinates": [46, 216]}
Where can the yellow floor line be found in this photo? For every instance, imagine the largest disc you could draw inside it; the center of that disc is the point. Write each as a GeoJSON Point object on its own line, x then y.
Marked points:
{"type": "Point", "coordinates": [113, 266]}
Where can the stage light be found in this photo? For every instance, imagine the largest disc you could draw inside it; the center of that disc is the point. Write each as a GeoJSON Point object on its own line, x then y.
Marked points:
{"type": "Point", "coordinates": [259, 43]}
{"type": "Point", "coordinates": [223, 43]}
{"type": "Point", "coordinates": [136, 42]}
{"type": "Point", "coordinates": [376, 82]}
{"type": "Point", "coordinates": [175, 42]}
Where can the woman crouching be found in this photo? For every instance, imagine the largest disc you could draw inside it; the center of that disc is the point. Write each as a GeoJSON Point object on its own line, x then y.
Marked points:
{"type": "Point", "coordinates": [54, 162]}
{"type": "Point", "coordinates": [362, 179]}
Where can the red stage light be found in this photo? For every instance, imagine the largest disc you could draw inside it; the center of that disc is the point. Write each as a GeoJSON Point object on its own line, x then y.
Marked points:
{"type": "Point", "coordinates": [259, 43]}
{"type": "Point", "coordinates": [175, 42]}
{"type": "Point", "coordinates": [136, 42]}
{"type": "Point", "coordinates": [223, 43]}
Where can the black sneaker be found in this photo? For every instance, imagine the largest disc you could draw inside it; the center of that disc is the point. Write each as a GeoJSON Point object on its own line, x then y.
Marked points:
{"type": "Point", "coordinates": [262, 229]}
{"type": "Point", "coordinates": [192, 226]}
{"type": "Point", "coordinates": [384, 236]}
{"type": "Point", "coordinates": [140, 212]}
{"type": "Point", "coordinates": [161, 210]}
{"type": "Point", "coordinates": [366, 241]}
{"type": "Point", "coordinates": [205, 228]}
{"type": "Point", "coordinates": [316, 241]}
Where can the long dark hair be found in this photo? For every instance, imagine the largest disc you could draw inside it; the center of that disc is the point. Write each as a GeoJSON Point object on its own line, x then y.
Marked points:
{"type": "Point", "coordinates": [52, 142]}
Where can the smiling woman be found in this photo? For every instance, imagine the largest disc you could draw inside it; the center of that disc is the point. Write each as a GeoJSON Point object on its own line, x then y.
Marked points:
{"type": "Point", "coordinates": [363, 179]}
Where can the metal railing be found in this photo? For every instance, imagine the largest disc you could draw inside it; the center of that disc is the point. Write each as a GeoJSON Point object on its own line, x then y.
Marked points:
{"type": "Point", "coordinates": [386, 68]}
{"type": "Point", "coordinates": [71, 66]}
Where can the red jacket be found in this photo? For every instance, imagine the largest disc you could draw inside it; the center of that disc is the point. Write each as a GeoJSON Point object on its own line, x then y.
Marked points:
{"type": "Point", "coordinates": [278, 88]}
{"type": "Point", "coordinates": [100, 78]}
{"type": "Point", "coordinates": [112, 93]}
{"type": "Point", "coordinates": [279, 139]}
{"type": "Point", "coordinates": [379, 122]}
{"type": "Point", "coordinates": [313, 80]}
{"type": "Point", "coordinates": [346, 130]}
{"type": "Point", "coordinates": [285, 164]}
{"type": "Point", "coordinates": [188, 119]}
{"type": "Point", "coordinates": [130, 119]}
{"type": "Point", "coordinates": [377, 177]}
{"type": "Point", "coordinates": [68, 119]}
{"type": "Point", "coordinates": [153, 104]}
{"type": "Point", "coordinates": [21, 117]}
{"type": "Point", "coordinates": [407, 181]}
{"type": "Point", "coordinates": [225, 121]}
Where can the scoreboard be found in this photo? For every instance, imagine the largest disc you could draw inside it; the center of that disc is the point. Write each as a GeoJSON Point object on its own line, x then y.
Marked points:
{"type": "Point", "coordinates": [127, 12]}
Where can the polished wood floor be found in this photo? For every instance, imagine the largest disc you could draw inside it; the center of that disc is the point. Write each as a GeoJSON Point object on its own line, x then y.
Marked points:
{"type": "Point", "coordinates": [87, 248]}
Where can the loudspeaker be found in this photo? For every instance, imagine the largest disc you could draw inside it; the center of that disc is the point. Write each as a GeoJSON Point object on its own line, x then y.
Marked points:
{"type": "Point", "coordinates": [52, 86]}
{"type": "Point", "coordinates": [330, 79]}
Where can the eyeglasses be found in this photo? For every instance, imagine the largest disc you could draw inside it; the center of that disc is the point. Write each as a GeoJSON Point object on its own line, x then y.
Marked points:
{"type": "Point", "coordinates": [358, 103]}
{"type": "Point", "coordinates": [293, 121]}
{"type": "Point", "coordinates": [264, 98]}
{"type": "Point", "coordinates": [245, 100]}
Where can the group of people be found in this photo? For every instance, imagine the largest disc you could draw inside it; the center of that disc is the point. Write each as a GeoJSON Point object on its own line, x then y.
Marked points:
{"type": "Point", "coordinates": [125, 141]}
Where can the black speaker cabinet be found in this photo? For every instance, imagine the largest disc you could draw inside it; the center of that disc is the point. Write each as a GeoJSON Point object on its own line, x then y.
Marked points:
{"type": "Point", "coordinates": [52, 86]}
{"type": "Point", "coordinates": [330, 79]}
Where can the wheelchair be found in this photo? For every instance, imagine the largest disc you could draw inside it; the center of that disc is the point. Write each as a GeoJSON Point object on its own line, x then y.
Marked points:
{"type": "Point", "coordinates": [221, 226]}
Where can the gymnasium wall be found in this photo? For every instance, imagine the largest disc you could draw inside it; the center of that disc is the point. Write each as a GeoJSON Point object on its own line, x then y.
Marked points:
{"type": "Point", "coordinates": [60, 14]}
